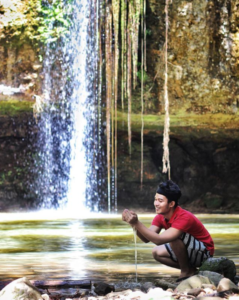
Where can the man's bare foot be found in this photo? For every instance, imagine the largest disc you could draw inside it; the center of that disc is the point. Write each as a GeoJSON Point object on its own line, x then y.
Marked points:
{"type": "Point", "coordinates": [188, 273]}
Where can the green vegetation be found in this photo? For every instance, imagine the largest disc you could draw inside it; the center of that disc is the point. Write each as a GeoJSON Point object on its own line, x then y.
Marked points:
{"type": "Point", "coordinates": [54, 20]}
{"type": "Point", "coordinates": [15, 107]}
{"type": "Point", "coordinates": [187, 124]}
{"type": "Point", "coordinates": [35, 20]}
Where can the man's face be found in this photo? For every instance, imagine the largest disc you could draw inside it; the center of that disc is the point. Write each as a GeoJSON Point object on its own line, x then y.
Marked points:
{"type": "Point", "coordinates": [161, 204]}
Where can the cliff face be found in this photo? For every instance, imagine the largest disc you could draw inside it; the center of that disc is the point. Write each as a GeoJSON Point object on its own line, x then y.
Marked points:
{"type": "Point", "coordinates": [203, 86]}
{"type": "Point", "coordinates": [203, 63]}
{"type": "Point", "coordinates": [203, 55]}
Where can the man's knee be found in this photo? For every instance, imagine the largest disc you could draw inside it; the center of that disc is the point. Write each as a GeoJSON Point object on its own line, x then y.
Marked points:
{"type": "Point", "coordinates": [159, 251]}
{"type": "Point", "coordinates": [155, 252]}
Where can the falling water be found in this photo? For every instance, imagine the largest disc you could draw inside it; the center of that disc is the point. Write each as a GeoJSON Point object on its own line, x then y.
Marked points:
{"type": "Point", "coordinates": [77, 150]}
{"type": "Point", "coordinates": [135, 254]}
{"type": "Point", "coordinates": [83, 107]}
{"type": "Point", "coordinates": [70, 164]}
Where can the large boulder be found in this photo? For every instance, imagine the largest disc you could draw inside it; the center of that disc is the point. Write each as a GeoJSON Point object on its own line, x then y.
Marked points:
{"type": "Point", "coordinates": [193, 282]}
{"type": "Point", "coordinates": [221, 265]}
{"type": "Point", "coordinates": [21, 289]}
{"type": "Point", "coordinates": [213, 276]}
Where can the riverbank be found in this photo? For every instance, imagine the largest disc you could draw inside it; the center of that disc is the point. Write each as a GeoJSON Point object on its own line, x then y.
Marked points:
{"type": "Point", "coordinates": [201, 287]}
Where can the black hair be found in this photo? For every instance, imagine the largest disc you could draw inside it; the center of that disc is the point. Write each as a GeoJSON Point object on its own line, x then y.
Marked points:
{"type": "Point", "coordinates": [170, 190]}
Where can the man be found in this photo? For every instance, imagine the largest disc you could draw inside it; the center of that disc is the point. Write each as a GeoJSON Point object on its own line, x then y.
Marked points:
{"type": "Point", "coordinates": [185, 243]}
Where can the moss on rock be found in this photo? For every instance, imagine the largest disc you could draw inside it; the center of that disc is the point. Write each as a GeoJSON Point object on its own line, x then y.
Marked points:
{"type": "Point", "coordinates": [14, 107]}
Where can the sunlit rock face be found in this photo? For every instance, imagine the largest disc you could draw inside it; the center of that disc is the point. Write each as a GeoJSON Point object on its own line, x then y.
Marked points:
{"type": "Point", "coordinates": [202, 55]}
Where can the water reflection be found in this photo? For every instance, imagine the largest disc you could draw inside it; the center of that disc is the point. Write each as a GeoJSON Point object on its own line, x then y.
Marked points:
{"type": "Point", "coordinates": [50, 246]}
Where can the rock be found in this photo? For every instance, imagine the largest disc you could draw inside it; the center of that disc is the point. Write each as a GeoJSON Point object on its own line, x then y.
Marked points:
{"type": "Point", "coordinates": [146, 286]}
{"type": "Point", "coordinates": [164, 284]}
{"type": "Point", "coordinates": [213, 276]}
{"type": "Point", "coordinates": [213, 201]}
{"type": "Point", "coordinates": [102, 288]}
{"type": "Point", "coordinates": [221, 265]}
{"type": "Point", "coordinates": [208, 286]}
{"type": "Point", "coordinates": [226, 284]}
{"type": "Point", "coordinates": [194, 292]}
{"type": "Point", "coordinates": [21, 289]}
{"type": "Point", "coordinates": [193, 282]}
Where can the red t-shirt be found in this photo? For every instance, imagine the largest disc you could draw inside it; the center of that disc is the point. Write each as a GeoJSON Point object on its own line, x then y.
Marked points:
{"type": "Point", "coordinates": [187, 222]}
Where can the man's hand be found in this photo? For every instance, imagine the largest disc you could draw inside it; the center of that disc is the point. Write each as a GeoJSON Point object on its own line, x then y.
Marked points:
{"type": "Point", "coordinates": [129, 217]}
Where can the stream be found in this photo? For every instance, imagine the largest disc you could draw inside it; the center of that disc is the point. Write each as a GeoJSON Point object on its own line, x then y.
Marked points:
{"type": "Point", "coordinates": [48, 245]}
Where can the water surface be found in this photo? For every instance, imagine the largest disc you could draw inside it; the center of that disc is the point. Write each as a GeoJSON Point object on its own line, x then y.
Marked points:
{"type": "Point", "coordinates": [99, 247]}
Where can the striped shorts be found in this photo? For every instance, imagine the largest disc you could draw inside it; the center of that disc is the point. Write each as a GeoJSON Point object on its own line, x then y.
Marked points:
{"type": "Point", "coordinates": [197, 251]}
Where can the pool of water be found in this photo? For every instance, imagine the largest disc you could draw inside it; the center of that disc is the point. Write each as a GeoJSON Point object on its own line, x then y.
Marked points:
{"type": "Point", "coordinates": [48, 245]}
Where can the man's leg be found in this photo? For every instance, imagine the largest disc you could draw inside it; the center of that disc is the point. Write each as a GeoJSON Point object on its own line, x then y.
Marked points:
{"type": "Point", "coordinates": [181, 254]}
{"type": "Point", "coordinates": [161, 254]}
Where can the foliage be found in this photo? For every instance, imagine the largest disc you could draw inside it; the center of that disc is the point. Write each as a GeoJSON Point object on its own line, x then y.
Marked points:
{"type": "Point", "coordinates": [139, 74]}
{"type": "Point", "coordinates": [54, 20]}
{"type": "Point", "coordinates": [35, 20]}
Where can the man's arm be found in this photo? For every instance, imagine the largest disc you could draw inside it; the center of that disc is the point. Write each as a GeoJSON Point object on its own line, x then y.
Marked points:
{"type": "Point", "coordinates": [167, 236]}
{"type": "Point", "coordinates": [148, 234]}
{"type": "Point", "coordinates": [153, 228]}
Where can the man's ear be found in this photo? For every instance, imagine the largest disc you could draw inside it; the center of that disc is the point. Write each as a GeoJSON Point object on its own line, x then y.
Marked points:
{"type": "Point", "coordinates": [172, 204]}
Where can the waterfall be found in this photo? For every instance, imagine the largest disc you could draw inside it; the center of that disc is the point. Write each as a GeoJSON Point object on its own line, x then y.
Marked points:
{"type": "Point", "coordinates": [76, 161]}
{"type": "Point", "coordinates": [83, 109]}
{"type": "Point", "coordinates": [70, 159]}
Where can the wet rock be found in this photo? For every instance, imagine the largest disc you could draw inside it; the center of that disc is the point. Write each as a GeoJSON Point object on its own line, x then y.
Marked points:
{"type": "Point", "coordinates": [193, 282]}
{"type": "Point", "coordinates": [213, 276]}
{"type": "Point", "coordinates": [226, 284]}
{"type": "Point", "coordinates": [103, 288]}
{"type": "Point", "coordinates": [221, 265]}
{"type": "Point", "coordinates": [21, 289]}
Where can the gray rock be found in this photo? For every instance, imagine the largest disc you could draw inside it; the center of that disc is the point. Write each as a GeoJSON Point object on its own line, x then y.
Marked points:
{"type": "Point", "coordinates": [21, 289]}
{"type": "Point", "coordinates": [221, 265]}
{"type": "Point", "coordinates": [146, 286]}
{"type": "Point", "coordinates": [226, 284]}
{"type": "Point", "coordinates": [193, 282]}
{"type": "Point", "coordinates": [213, 276]}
